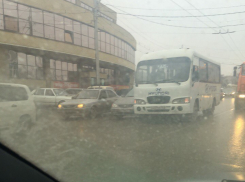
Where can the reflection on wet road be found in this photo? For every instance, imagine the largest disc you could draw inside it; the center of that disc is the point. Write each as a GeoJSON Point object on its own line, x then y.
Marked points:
{"type": "Point", "coordinates": [137, 149]}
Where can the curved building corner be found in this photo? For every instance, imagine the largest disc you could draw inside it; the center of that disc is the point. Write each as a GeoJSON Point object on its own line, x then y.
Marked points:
{"type": "Point", "coordinates": [50, 43]}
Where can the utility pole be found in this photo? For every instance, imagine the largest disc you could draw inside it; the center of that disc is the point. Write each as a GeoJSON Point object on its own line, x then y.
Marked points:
{"type": "Point", "coordinates": [97, 59]}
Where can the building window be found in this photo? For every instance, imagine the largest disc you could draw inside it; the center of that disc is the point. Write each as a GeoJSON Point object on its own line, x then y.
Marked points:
{"type": "Point", "coordinates": [59, 34]}
{"type": "Point", "coordinates": [10, 8]}
{"type": "Point", "coordinates": [11, 23]}
{"type": "Point", "coordinates": [68, 36]}
{"type": "Point", "coordinates": [26, 66]}
{"type": "Point", "coordinates": [40, 23]}
{"type": "Point", "coordinates": [37, 29]}
{"type": "Point", "coordinates": [62, 71]}
{"type": "Point", "coordinates": [24, 27]}
{"type": "Point", "coordinates": [24, 12]}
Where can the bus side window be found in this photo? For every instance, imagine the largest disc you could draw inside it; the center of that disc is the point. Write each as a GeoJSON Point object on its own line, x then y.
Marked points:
{"type": "Point", "coordinates": [195, 73]}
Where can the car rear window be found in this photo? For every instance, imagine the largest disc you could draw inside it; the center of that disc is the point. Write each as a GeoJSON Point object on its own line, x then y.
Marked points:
{"type": "Point", "coordinates": [8, 93]}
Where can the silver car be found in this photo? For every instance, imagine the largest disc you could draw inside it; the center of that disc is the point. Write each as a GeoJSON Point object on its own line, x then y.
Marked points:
{"type": "Point", "coordinates": [89, 102]}
{"type": "Point", "coordinates": [124, 105]}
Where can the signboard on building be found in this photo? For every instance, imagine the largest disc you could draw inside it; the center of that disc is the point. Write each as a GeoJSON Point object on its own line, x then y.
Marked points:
{"type": "Point", "coordinates": [60, 84]}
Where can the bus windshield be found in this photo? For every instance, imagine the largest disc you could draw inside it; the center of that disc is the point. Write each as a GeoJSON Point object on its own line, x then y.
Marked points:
{"type": "Point", "coordinates": [163, 70]}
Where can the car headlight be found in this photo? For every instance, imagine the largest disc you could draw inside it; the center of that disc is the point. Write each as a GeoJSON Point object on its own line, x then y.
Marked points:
{"type": "Point", "coordinates": [181, 100]}
{"type": "Point", "coordinates": [114, 105]}
{"type": "Point", "coordinates": [59, 106]}
{"type": "Point", "coordinates": [241, 96]}
{"type": "Point", "coordinates": [233, 93]}
{"type": "Point", "coordinates": [80, 106]}
{"type": "Point", "coordinates": [139, 102]}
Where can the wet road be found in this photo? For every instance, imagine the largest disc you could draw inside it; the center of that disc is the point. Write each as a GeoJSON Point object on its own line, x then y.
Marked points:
{"type": "Point", "coordinates": [134, 149]}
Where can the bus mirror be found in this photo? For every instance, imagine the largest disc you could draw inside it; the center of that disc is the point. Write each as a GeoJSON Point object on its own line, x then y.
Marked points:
{"type": "Point", "coordinates": [234, 71]}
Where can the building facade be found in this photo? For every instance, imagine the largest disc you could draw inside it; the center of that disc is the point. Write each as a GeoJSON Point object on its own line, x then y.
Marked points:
{"type": "Point", "coordinates": [50, 43]}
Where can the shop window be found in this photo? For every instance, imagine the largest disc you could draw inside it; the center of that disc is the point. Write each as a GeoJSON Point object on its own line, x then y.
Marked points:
{"type": "Point", "coordinates": [58, 75]}
{"type": "Point", "coordinates": [11, 23]}
{"type": "Point", "coordinates": [70, 67]}
{"type": "Point", "coordinates": [30, 66]}
{"type": "Point", "coordinates": [68, 36]}
{"type": "Point", "coordinates": [62, 70]}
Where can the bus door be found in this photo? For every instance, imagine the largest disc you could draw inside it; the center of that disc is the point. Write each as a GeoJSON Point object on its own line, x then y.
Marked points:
{"type": "Point", "coordinates": [195, 79]}
{"type": "Point", "coordinates": [203, 91]}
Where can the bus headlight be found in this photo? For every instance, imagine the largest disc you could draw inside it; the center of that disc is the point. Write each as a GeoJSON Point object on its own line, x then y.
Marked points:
{"type": "Point", "coordinates": [139, 102]}
{"type": "Point", "coordinates": [185, 100]}
{"type": "Point", "coordinates": [241, 96]}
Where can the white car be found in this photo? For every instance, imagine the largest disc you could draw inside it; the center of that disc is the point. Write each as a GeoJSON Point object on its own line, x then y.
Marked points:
{"type": "Point", "coordinates": [49, 97]}
{"type": "Point", "coordinates": [16, 106]}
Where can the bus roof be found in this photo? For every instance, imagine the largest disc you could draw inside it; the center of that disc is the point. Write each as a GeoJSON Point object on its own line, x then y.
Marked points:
{"type": "Point", "coordinates": [175, 53]}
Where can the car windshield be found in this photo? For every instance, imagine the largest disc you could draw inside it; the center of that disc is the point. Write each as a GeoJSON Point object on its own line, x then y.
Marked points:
{"type": "Point", "coordinates": [130, 93]}
{"type": "Point", "coordinates": [63, 93]}
{"type": "Point", "coordinates": [88, 94]}
{"type": "Point", "coordinates": [59, 92]}
{"type": "Point", "coordinates": [163, 70]}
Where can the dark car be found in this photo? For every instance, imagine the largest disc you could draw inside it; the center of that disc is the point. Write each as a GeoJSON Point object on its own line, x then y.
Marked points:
{"type": "Point", "coordinates": [89, 102]}
{"type": "Point", "coordinates": [124, 105]}
{"type": "Point", "coordinates": [122, 92]}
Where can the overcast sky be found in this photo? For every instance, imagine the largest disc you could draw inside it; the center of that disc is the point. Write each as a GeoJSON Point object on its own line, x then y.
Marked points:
{"type": "Point", "coordinates": [227, 49]}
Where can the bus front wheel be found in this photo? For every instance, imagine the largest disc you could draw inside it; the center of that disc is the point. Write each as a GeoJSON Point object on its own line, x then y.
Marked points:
{"type": "Point", "coordinates": [193, 116]}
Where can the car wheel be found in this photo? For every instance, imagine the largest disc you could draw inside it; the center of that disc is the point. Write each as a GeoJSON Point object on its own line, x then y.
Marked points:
{"type": "Point", "coordinates": [93, 112]}
{"type": "Point", "coordinates": [193, 116]}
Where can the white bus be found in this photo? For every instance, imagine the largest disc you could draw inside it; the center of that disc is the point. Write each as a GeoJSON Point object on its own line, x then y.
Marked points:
{"type": "Point", "coordinates": [179, 82]}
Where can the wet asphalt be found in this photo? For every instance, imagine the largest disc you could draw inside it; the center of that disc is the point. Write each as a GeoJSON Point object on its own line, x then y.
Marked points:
{"type": "Point", "coordinates": [136, 149]}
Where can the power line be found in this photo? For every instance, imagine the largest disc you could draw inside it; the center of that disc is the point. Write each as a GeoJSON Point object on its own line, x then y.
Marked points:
{"type": "Point", "coordinates": [175, 9]}
{"type": "Point", "coordinates": [192, 16]}
{"type": "Point", "coordinates": [215, 24]}
{"type": "Point", "coordinates": [177, 26]}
